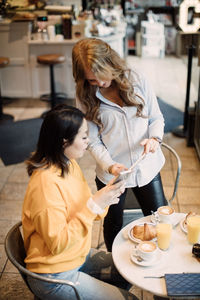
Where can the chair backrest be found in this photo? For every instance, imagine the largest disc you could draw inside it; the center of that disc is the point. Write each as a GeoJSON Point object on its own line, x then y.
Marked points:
{"type": "Point", "coordinates": [178, 170]}
{"type": "Point", "coordinates": [14, 247]}
{"type": "Point", "coordinates": [131, 204]}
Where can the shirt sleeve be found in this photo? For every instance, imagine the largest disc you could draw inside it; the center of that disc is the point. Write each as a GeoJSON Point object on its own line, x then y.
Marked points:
{"type": "Point", "coordinates": [52, 226]}
{"type": "Point", "coordinates": [96, 146]}
{"type": "Point", "coordinates": [96, 209]}
{"type": "Point", "coordinates": [92, 206]}
{"type": "Point", "coordinates": [98, 149]}
{"type": "Point", "coordinates": [51, 219]}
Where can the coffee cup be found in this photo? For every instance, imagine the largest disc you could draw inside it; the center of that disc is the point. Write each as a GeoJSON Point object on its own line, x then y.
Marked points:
{"type": "Point", "coordinates": [146, 250]}
{"type": "Point", "coordinates": [165, 213]}
{"type": "Point", "coordinates": [59, 37]}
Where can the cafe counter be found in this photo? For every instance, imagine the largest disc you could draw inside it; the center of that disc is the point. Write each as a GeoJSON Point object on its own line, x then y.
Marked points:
{"type": "Point", "coordinates": [24, 77]}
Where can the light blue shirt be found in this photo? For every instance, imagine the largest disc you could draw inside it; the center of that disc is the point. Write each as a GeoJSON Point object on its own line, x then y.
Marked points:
{"type": "Point", "coordinates": [122, 133]}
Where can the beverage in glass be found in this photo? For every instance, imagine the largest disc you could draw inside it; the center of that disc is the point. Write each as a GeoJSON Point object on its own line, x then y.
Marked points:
{"type": "Point", "coordinates": [193, 229]}
{"type": "Point", "coordinates": [164, 232]}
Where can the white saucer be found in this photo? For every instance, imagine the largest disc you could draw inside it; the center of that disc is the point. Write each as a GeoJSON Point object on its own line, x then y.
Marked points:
{"type": "Point", "coordinates": [183, 226]}
{"type": "Point", "coordinates": [125, 232]}
{"type": "Point", "coordinates": [174, 221]}
{"type": "Point", "coordinates": [134, 239]}
{"type": "Point", "coordinates": [147, 263]}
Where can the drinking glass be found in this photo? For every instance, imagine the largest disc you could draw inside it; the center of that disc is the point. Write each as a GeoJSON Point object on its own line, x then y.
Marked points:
{"type": "Point", "coordinates": [193, 229]}
{"type": "Point", "coordinates": [164, 232]}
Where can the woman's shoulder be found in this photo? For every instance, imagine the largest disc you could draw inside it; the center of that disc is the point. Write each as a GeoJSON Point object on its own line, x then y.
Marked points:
{"type": "Point", "coordinates": [74, 164]}
{"type": "Point", "coordinates": [140, 82]}
{"type": "Point", "coordinates": [137, 75]}
{"type": "Point", "coordinates": [45, 173]}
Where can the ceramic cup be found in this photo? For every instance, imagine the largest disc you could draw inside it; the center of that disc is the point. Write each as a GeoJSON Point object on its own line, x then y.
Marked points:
{"type": "Point", "coordinates": [59, 37]}
{"type": "Point", "coordinates": [164, 232]}
{"type": "Point", "coordinates": [166, 214]}
{"type": "Point", "coordinates": [146, 250]}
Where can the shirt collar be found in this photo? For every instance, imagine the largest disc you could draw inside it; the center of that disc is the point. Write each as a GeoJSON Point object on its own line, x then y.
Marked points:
{"type": "Point", "coordinates": [103, 99]}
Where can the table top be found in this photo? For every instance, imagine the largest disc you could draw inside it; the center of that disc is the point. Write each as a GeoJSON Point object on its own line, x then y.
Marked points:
{"type": "Point", "coordinates": [177, 259]}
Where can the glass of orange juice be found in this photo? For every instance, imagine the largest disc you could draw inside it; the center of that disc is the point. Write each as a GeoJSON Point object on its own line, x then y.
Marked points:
{"type": "Point", "coordinates": [164, 233]}
{"type": "Point", "coordinates": [193, 229]}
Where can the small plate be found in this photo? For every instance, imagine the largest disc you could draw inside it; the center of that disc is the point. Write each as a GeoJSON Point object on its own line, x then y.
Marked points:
{"type": "Point", "coordinates": [147, 263]}
{"type": "Point", "coordinates": [132, 238]}
{"type": "Point", "coordinates": [183, 226]}
{"type": "Point", "coordinates": [125, 232]}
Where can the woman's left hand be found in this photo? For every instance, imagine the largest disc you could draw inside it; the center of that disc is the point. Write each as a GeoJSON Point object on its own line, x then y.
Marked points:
{"type": "Point", "coordinates": [116, 169]}
{"type": "Point", "coordinates": [150, 145]}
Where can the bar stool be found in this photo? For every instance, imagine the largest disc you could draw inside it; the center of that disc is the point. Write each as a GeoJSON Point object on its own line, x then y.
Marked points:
{"type": "Point", "coordinates": [51, 60]}
{"type": "Point", "coordinates": [4, 61]}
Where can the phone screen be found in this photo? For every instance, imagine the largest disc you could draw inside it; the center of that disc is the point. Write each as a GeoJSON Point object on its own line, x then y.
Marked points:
{"type": "Point", "coordinates": [122, 176]}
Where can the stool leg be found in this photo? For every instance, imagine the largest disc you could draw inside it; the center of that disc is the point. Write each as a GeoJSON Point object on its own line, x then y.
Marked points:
{"type": "Point", "coordinates": [53, 96]}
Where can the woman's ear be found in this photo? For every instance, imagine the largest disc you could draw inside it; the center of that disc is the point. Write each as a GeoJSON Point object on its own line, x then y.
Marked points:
{"type": "Point", "coordinates": [65, 143]}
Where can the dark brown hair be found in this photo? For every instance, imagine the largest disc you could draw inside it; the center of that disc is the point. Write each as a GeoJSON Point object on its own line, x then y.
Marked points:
{"type": "Point", "coordinates": [63, 122]}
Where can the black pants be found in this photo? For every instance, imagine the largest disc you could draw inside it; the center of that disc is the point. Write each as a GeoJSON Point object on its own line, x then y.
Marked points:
{"type": "Point", "coordinates": [150, 197]}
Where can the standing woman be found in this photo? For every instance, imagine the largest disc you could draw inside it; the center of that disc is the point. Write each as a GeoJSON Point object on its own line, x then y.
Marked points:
{"type": "Point", "coordinates": [58, 214]}
{"type": "Point", "coordinates": [125, 122]}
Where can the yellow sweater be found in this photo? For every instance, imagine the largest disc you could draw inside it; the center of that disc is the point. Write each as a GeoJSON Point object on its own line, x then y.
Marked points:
{"type": "Point", "coordinates": [57, 224]}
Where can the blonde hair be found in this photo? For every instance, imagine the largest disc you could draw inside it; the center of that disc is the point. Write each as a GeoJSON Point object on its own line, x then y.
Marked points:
{"type": "Point", "coordinates": [105, 63]}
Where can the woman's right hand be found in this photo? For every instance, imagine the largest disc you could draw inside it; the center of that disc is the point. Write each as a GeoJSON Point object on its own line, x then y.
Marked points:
{"type": "Point", "coordinates": [116, 169]}
{"type": "Point", "coordinates": [109, 194]}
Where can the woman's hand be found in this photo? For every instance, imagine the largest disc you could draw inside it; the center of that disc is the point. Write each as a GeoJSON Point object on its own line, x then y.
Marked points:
{"type": "Point", "coordinates": [116, 169]}
{"type": "Point", "coordinates": [109, 194]}
{"type": "Point", "coordinates": [150, 145]}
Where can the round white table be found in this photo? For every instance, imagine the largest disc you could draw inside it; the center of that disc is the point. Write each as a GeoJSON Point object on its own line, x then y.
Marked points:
{"type": "Point", "coordinates": [177, 259]}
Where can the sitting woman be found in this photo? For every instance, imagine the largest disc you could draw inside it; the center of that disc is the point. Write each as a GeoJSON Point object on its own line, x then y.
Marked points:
{"type": "Point", "coordinates": [58, 213]}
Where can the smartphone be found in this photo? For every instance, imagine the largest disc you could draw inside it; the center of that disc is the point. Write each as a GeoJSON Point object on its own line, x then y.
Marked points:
{"type": "Point", "coordinates": [124, 174]}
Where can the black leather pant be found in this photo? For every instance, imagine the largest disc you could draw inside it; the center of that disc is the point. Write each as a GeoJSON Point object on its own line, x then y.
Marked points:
{"type": "Point", "coordinates": [150, 197]}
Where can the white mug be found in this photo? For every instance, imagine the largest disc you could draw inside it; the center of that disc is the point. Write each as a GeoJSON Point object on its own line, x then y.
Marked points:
{"type": "Point", "coordinates": [59, 37]}
{"type": "Point", "coordinates": [146, 250]}
{"type": "Point", "coordinates": [166, 214]}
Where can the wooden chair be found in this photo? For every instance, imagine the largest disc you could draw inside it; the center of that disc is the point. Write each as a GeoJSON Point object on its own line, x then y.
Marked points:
{"type": "Point", "coordinates": [14, 247]}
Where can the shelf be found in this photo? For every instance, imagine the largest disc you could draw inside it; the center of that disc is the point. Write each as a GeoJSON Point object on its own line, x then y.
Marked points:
{"type": "Point", "coordinates": [134, 11]}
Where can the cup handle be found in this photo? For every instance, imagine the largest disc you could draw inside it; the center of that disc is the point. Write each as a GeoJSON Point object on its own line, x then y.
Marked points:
{"type": "Point", "coordinates": [135, 252]}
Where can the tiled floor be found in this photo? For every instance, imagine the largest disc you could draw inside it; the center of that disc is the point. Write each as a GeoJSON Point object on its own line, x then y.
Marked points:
{"type": "Point", "coordinates": [13, 178]}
